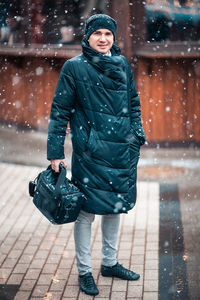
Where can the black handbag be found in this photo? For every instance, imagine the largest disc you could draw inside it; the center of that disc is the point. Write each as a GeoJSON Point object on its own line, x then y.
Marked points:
{"type": "Point", "coordinates": [57, 198]}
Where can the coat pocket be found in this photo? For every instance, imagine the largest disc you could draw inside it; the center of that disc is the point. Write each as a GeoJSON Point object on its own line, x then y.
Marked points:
{"type": "Point", "coordinates": [92, 141]}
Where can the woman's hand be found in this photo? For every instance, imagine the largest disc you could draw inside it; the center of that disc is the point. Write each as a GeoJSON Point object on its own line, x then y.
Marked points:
{"type": "Point", "coordinates": [55, 164]}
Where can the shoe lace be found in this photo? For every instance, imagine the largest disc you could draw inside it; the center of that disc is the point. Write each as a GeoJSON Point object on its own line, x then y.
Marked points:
{"type": "Point", "coordinates": [122, 269]}
{"type": "Point", "coordinates": [89, 281]}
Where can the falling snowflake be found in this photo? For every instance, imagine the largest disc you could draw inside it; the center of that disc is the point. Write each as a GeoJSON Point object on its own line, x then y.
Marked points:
{"type": "Point", "coordinates": [86, 180]}
{"type": "Point", "coordinates": [39, 71]}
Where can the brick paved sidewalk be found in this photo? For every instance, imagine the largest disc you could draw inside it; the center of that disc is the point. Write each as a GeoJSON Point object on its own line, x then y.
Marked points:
{"type": "Point", "coordinates": [38, 259]}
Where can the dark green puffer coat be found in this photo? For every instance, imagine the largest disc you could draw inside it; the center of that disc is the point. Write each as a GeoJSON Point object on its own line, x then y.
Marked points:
{"type": "Point", "coordinates": [106, 132]}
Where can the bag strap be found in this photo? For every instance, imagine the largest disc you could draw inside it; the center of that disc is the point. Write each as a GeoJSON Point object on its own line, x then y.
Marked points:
{"type": "Point", "coordinates": [60, 180]}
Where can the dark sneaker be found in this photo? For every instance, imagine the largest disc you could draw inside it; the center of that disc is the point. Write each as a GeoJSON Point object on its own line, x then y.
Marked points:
{"type": "Point", "coordinates": [87, 284]}
{"type": "Point", "coordinates": [119, 271]}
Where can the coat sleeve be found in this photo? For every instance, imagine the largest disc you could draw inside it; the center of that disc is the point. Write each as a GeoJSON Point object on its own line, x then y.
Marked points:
{"type": "Point", "coordinates": [61, 110]}
{"type": "Point", "coordinates": [136, 124]}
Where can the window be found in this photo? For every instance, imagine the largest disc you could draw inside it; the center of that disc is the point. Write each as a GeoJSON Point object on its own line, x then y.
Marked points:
{"type": "Point", "coordinates": [56, 22]}
{"type": "Point", "coordinates": [173, 20]}
{"type": "Point", "coordinates": [11, 22]}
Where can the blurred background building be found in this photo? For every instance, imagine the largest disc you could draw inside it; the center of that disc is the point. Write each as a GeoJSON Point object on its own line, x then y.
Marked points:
{"type": "Point", "coordinates": [161, 39]}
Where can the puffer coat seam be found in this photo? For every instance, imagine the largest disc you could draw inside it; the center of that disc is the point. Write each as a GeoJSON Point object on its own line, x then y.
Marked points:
{"type": "Point", "coordinates": [67, 75]}
{"type": "Point", "coordinates": [95, 163]}
{"type": "Point", "coordinates": [107, 141]}
{"type": "Point", "coordinates": [100, 112]}
{"type": "Point", "coordinates": [97, 86]}
{"type": "Point", "coordinates": [101, 189]}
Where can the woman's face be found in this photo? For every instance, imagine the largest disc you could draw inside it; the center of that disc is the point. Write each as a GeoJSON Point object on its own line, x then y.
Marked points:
{"type": "Point", "coordinates": [101, 40]}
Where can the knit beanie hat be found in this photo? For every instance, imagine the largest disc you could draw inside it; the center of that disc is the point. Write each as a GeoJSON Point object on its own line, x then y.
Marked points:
{"type": "Point", "coordinates": [100, 21]}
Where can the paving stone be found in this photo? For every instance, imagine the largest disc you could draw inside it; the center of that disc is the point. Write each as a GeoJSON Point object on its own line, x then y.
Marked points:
{"type": "Point", "coordinates": [138, 250]}
{"type": "Point", "coordinates": [27, 285]}
{"type": "Point", "coordinates": [21, 268]}
{"type": "Point", "coordinates": [35, 241]}
{"type": "Point", "coordinates": [2, 257]}
{"type": "Point", "coordinates": [4, 274]}
{"type": "Point", "coordinates": [37, 263]}
{"type": "Point", "coordinates": [45, 279]}
{"type": "Point", "coordinates": [125, 262]}
{"type": "Point", "coordinates": [41, 254]}
{"type": "Point", "coordinates": [101, 298]}
{"type": "Point", "coordinates": [123, 254]}
{"type": "Point", "coordinates": [9, 263]}
{"type": "Point", "coordinates": [134, 298]}
{"type": "Point", "coordinates": [71, 245]}
{"type": "Point", "coordinates": [137, 259]}
{"type": "Point", "coordinates": [26, 258]}
{"type": "Point", "coordinates": [66, 263]}
{"type": "Point", "coordinates": [137, 282]}
{"type": "Point", "coordinates": [96, 263]}
{"type": "Point", "coordinates": [74, 270]}
{"type": "Point", "coordinates": [15, 279]}
{"type": "Point", "coordinates": [96, 254]}
{"type": "Point", "coordinates": [152, 238]}
{"type": "Point", "coordinates": [53, 259]}
{"type": "Point", "coordinates": [139, 234]}
{"type": "Point", "coordinates": [119, 286]}
{"type": "Point", "coordinates": [124, 246]}
{"type": "Point", "coordinates": [40, 291]}
{"type": "Point", "coordinates": [151, 275]}
{"type": "Point", "coordinates": [104, 290]}
{"type": "Point", "coordinates": [53, 295]}
{"type": "Point", "coordinates": [71, 291]}
{"type": "Point", "coordinates": [150, 296]}
{"type": "Point", "coordinates": [73, 280]}
{"type": "Point", "coordinates": [134, 291]}
{"type": "Point", "coordinates": [61, 241]}
{"type": "Point", "coordinates": [32, 274]}
{"type": "Point", "coordinates": [104, 280]}
{"type": "Point", "coordinates": [22, 295]}
{"type": "Point", "coordinates": [152, 246]}
{"type": "Point", "coordinates": [49, 268]}
{"type": "Point", "coordinates": [151, 285]}
{"type": "Point", "coordinates": [118, 296]}
{"type": "Point", "coordinates": [152, 255]}
{"type": "Point", "coordinates": [151, 264]}
{"type": "Point", "coordinates": [58, 249]}
{"type": "Point", "coordinates": [14, 254]}
{"type": "Point", "coordinates": [139, 242]}
{"type": "Point", "coordinates": [46, 245]}
{"type": "Point", "coordinates": [83, 296]}
{"type": "Point", "coordinates": [22, 241]}
{"type": "Point", "coordinates": [57, 285]}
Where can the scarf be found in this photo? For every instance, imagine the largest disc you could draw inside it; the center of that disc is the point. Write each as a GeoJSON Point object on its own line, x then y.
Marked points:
{"type": "Point", "coordinates": [111, 66]}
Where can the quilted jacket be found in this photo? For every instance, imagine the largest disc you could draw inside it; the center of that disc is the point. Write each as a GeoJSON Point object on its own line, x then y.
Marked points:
{"type": "Point", "coordinates": [96, 93]}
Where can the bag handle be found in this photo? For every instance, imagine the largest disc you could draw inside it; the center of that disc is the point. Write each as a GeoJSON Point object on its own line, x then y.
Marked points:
{"type": "Point", "coordinates": [61, 180]}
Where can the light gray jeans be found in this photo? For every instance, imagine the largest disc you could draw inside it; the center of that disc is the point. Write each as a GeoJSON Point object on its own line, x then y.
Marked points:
{"type": "Point", "coordinates": [82, 237]}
